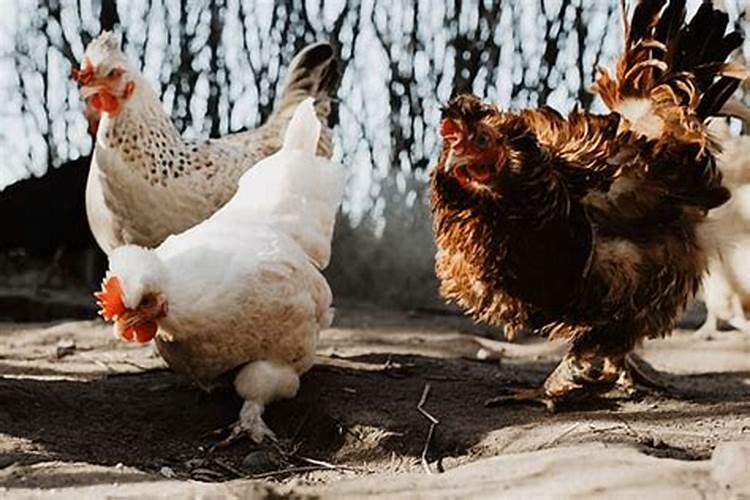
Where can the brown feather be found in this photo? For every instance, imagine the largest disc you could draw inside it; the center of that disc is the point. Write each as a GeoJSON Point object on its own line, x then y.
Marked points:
{"type": "Point", "coordinates": [587, 227]}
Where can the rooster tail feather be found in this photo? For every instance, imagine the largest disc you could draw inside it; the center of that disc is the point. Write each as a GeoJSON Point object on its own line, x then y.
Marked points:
{"type": "Point", "coordinates": [663, 51]}
{"type": "Point", "coordinates": [645, 17]}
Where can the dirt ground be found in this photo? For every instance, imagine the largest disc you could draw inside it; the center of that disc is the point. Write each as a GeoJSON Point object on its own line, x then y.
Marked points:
{"type": "Point", "coordinates": [83, 415]}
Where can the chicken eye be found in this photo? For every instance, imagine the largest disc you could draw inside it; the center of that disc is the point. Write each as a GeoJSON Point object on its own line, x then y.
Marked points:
{"type": "Point", "coordinates": [483, 139]}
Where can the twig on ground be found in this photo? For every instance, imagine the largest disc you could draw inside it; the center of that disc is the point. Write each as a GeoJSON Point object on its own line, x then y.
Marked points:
{"type": "Point", "coordinates": [289, 455]}
{"type": "Point", "coordinates": [630, 430]}
{"type": "Point", "coordinates": [433, 423]}
{"type": "Point", "coordinates": [290, 470]}
{"type": "Point", "coordinates": [597, 430]}
{"type": "Point", "coordinates": [300, 426]}
{"type": "Point", "coordinates": [106, 366]}
{"type": "Point", "coordinates": [228, 467]}
{"type": "Point", "coordinates": [323, 463]}
{"type": "Point", "coordinates": [564, 433]}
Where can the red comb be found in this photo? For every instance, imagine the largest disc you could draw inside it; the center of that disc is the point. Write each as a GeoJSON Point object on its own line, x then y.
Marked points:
{"type": "Point", "coordinates": [85, 75]}
{"type": "Point", "coordinates": [449, 128]}
{"type": "Point", "coordinates": [82, 76]}
{"type": "Point", "coordinates": [109, 299]}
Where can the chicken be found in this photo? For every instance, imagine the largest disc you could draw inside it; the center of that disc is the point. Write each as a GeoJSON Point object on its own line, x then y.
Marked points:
{"type": "Point", "coordinates": [590, 228]}
{"type": "Point", "coordinates": [241, 292]}
{"type": "Point", "coordinates": [726, 287]}
{"type": "Point", "coordinates": [146, 181]}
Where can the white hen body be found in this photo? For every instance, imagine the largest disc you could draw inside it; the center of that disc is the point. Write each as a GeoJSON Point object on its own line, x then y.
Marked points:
{"type": "Point", "coordinates": [245, 285]}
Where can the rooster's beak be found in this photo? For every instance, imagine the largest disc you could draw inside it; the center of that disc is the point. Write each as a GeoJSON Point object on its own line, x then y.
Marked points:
{"type": "Point", "coordinates": [453, 134]}
{"type": "Point", "coordinates": [453, 160]}
{"type": "Point", "coordinates": [135, 317]}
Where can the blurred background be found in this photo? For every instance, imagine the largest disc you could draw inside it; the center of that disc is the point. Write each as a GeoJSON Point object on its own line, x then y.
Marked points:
{"type": "Point", "coordinates": [217, 64]}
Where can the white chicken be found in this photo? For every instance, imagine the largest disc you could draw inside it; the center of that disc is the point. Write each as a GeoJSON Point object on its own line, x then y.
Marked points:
{"type": "Point", "coordinates": [242, 290]}
{"type": "Point", "coordinates": [146, 181]}
{"type": "Point", "coordinates": [726, 287]}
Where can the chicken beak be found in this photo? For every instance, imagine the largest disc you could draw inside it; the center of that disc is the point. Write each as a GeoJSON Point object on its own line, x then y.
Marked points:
{"type": "Point", "coordinates": [135, 317]}
{"type": "Point", "coordinates": [130, 319]}
{"type": "Point", "coordinates": [453, 160]}
{"type": "Point", "coordinates": [91, 89]}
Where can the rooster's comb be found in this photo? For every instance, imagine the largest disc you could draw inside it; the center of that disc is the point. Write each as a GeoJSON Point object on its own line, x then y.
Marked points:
{"type": "Point", "coordinates": [109, 299]}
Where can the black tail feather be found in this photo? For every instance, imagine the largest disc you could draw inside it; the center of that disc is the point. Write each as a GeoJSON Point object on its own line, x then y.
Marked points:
{"type": "Point", "coordinates": [645, 17]}
{"type": "Point", "coordinates": [699, 47]}
{"type": "Point", "coordinates": [716, 96]}
{"type": "Point", "coordinates": [670, 21]}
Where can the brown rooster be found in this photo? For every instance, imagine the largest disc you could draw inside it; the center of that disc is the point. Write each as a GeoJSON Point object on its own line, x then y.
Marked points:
{"type": "Point", "coordinates": [590, 228]}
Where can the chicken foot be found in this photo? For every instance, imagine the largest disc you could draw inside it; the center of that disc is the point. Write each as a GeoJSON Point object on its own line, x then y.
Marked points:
{"type": "Point", "coordinates": [572, 375]}
{"type": "Point", "coordinates": [259, 383]}
{"type": "Point", "coordinates": [708, 328]}
{"type": "Point", "coordinates": [621, 377]}
{"type": "Point", "coordinates": [738, 321]}
{"type": "Point", "coordinates": [633, 375]}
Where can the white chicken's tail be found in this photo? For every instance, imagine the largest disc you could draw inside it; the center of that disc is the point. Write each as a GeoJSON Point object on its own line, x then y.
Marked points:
{"type": "Point", "coordinates": [303, 130]}
{"type": "Point", "coordinates": [313, 73]}
{"type": "Point", "coordinates": [295, 190]}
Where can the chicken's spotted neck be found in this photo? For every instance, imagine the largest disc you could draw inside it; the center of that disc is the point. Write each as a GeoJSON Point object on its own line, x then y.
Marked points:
{"type": "Point", "coordinates": [142, 124]}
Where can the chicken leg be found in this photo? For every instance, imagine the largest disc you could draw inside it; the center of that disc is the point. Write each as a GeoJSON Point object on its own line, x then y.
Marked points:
{"type": "Point", "coordinates": [621, 377]}
{"type": "Point", "coordinates": [708, 329]}
{"type": "Point", "coordinates": [574, 374]}
{"type": "Point", "coordinates": [260, 383]}
{"type": "Point", "coordinates": [632, 375]}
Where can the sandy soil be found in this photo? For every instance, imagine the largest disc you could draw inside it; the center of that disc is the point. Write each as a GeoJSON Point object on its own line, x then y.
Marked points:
{"type": "Point", "coordinates": [82, 414]}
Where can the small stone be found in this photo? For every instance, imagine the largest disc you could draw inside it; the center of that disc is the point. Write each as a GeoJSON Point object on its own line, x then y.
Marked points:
{"type": "Point", "coordinates": [65, 347]}
{"type": "Point", "coordinates": [260, 461]}
{"type": "Point", "coordinates": [167, 472]}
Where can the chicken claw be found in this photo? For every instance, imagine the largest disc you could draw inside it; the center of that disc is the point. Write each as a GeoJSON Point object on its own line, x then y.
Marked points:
{"type": "Point", "coordinates": [260, 383]}
{"type": "Point", "coordinates": [576, 376]}
{"type": "Point", "coordinates": [250, 424]}
{"type": "Point", "coordinates": [524, 396]}
{"type": "Point", "coordinates": [638, 375]}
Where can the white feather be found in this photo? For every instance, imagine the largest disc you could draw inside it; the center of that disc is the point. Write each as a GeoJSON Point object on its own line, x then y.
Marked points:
{"type": "Point", "coordinates": [142, 270]}
{"type": "Point", "coordinates": [245, 285]}
{"type": "Point", "coordinates": [641, 117]}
